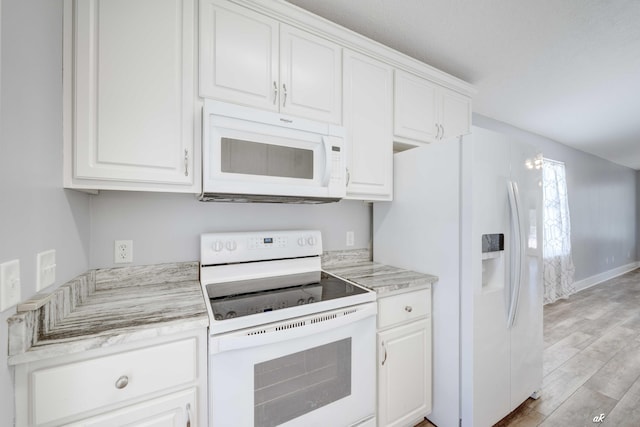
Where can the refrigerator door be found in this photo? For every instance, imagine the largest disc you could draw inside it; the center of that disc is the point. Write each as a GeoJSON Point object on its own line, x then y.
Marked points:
{"type": "Point", "coordinates": [485, 286]}
{"type": "Point", "coordinates": [526, 333]}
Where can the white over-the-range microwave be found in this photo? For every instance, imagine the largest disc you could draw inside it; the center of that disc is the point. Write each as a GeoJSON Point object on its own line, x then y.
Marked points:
{"type": "Point", "coordinates": [252, 155]}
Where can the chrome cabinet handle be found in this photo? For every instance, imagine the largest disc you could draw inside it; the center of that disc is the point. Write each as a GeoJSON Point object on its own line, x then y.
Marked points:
{"type": "Point", "coordinates": [408, 309]}
{"type": "Point", "coordinates": [348, 177]}
{"type": "Point", "coordinates": [188, 415]}
{"type": "Point", "coordinates": [442, 134]}
{"type": "Point", "coordinates": [284, 99]}
{"type": "Point", "coordinates": [186, 162]}
{"type": "Point", "coordinates": [437, 131]}
{"type": "Point", "coordinates": [385, 353]}
{"type": "Point", "coordinates": [122, 382]}
{"type": "Point", "coordinates": [275, 92]}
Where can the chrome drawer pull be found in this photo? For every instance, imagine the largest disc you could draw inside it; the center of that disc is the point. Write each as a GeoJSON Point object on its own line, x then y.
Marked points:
{"type": "Point", "coordinates": [408, 309]}
{"type": "Point", "coordinates": [385, 353]}
{"type": "Point", "coordinates": [122, 382]}
{"type": "Point", "coordinates": [188, 415]}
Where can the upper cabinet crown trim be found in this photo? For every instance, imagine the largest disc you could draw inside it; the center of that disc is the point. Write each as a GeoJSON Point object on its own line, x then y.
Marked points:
{"type": "Point", "coordinates": [297, 17]}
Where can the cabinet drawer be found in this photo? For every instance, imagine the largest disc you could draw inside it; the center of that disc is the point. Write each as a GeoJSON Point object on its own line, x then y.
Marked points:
{"type": "Point", "coordinates": [403, 307]}
{"type": "Point", "coordinates": [74, 388]}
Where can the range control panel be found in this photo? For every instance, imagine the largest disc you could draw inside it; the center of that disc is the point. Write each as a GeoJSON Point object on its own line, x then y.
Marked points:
{"type": "Point", "coordinates": [226, 248]}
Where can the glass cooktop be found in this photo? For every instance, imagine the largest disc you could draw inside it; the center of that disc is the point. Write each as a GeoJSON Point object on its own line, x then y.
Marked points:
{"type": "Point", "coordinates": [247, 297]}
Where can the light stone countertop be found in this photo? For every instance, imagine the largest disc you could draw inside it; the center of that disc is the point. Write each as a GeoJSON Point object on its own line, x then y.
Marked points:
{"type": "Point", "coordinates": [106, 307]}
{"type": "Point", "coordinates": [383, 279]}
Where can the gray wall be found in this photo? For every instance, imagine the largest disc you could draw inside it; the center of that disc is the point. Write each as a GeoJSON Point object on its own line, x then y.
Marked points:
{"type": "Point", "coordinates": [36, 214]}
{"type": "Point", "coordinates": [166, 227]}
{"type": "Point", "coordinates": [638, 215]}
{"type": "Point", "coordinates": [602, 203]}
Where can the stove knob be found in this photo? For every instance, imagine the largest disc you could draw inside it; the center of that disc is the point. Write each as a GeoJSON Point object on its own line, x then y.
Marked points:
{"type": "Point", "coordinates": [231, 245]}
{"type": "Point", "coordinates": [301, 301]}
{"type": "Point", "coordinates": [311, 300]}
{"type": "Point", "coordinates": [217, 316]}
{"type": "Point", "coordinates": [231, 315]}
{"type": "Point", "coordinates": [217, 246]}
{"type": "Point", "coordinates": [301, 241]}
{"type": "Point", "coordinates": [311, 240]}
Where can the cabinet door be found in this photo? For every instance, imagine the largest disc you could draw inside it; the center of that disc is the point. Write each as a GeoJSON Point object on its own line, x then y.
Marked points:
{"type": "Point", "coordinates": [368, 122]}
{"type": "Point", "coordinates": [134, 92]}
{"type": "Point", "coordinates": [456, 113]}
{"type": "Point", "coordinates": [404, 373]}
{"type": "Point", "coordinates": [310, 76]}
{"type": "Point", "coordinates": [238, 55]}
{"type": "Point", "coordinates": [416, 110]}
{"type": "Point", "coordinates": [174, 410]}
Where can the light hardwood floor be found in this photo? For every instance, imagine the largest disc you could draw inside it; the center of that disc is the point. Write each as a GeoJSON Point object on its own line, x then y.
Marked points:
{"type": "Point", "coordinates": [591, 360]}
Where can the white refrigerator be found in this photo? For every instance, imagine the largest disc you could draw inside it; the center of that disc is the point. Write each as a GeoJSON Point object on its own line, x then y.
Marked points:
{"type": "Point", "coordinates": [469, 211]}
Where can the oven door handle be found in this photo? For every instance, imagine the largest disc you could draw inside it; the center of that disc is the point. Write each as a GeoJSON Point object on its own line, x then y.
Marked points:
{"type": "Point", "coordinates": [237, 341]}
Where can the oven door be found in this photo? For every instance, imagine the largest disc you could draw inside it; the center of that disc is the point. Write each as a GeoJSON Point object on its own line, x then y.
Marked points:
{"type": "Point", "coordinates": [261, 155]}
{"type": "Point", "coordinates": [303, 372]}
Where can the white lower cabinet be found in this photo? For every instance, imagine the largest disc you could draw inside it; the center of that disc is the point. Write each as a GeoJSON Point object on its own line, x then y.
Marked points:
{"type": "Point", "coordinates": [156, 382]}
{"type": "Point", "coordinates": [404, 359]}
{"type": "Point", "coordinates": [174, 410]}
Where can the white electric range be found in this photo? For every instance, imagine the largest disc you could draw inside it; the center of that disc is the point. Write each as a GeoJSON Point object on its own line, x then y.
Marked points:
{"type": "Point", "coordinates": [289, 344]}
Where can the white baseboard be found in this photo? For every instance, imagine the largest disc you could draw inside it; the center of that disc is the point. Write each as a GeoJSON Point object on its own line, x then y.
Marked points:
{"type": "Point", "coordinates": [583, 284]}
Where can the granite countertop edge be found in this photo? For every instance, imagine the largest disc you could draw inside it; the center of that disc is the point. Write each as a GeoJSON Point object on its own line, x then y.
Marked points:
{"type": "Point", "coordinates": [385, 280]}
{"type": "Point", "coordinates": [104, 307]}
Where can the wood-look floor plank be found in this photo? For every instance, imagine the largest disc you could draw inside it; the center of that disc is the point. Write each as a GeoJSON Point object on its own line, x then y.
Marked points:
{"type": "Point", "coordinates": [563, 350]}
{"type": "Point", "coordinates": [580, 409]}
{"type": "Point", "coordinates": [627, 412]}
{"type": "Point", "coordinates": [605, 347]}
{"type": "Point", "coordinates": [559, 385]}
{"type": "Point", "coordinates": [618, 375]}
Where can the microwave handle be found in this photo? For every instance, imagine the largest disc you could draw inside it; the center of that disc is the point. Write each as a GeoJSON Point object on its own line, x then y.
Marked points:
{"type": "Point", "coordinates": [328, 162]}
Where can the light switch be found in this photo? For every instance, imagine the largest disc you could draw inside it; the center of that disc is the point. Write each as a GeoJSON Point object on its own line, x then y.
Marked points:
{"type": "Point", "coordinates": [9, 284]}
{"type": "Point", "coordinates": [46, 269]}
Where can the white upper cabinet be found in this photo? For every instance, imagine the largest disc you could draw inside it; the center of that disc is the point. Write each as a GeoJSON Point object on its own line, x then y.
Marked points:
{"type": "Point", "coordinates": [427, 112]}
{"type": "Point", "coordinates": [368, 97]}
{"type": "Point", "coordinates": [456, 114]}
{"type": "Point", "coordinates": [415, 107]}
{"type": "Point", "coordinates": [238, 55]}
{"type": "Point", "coordinates": [250, 59]}
{"type": "Point", "coordinates": [129, 95]}
{"type": "Point", "coordinates": [310, 76]}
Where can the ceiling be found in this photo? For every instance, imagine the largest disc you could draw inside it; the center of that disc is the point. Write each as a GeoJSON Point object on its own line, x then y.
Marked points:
{"type": "Point", "coordinates": [568, 70]}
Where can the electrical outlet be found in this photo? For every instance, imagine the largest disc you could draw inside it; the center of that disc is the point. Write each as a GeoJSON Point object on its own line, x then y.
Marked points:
{"type": "Point", "coordinates": [9, 284]}
{"type": "Point", "coordinates": [45, 269]}
{"type": "Point", "coordinates": [123, 251]}
{"type": "Point", "coordinates": [350, 238]}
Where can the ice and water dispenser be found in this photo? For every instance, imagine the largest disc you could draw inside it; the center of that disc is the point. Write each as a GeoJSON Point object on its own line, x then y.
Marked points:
{"type": "Point", "coordinates": [493, 261]}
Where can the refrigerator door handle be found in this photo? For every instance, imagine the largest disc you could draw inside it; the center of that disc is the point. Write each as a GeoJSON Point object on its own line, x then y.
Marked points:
{"type": "Point", "coordinates": [516, 223]}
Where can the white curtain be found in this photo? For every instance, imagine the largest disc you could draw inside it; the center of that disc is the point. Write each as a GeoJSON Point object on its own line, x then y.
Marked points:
{"type": "Point", "coordinates": [558, 265]}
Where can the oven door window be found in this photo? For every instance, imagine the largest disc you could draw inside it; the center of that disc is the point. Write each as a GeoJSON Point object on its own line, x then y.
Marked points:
{"type": "Point", "coordinates": [254, 158]}
{"type": "Point", "coordinates": [290, 386]}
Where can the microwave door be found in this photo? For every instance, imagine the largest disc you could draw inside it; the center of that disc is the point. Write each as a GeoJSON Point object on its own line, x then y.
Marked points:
{"type": "Point", "coordinates": [241, 162]}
